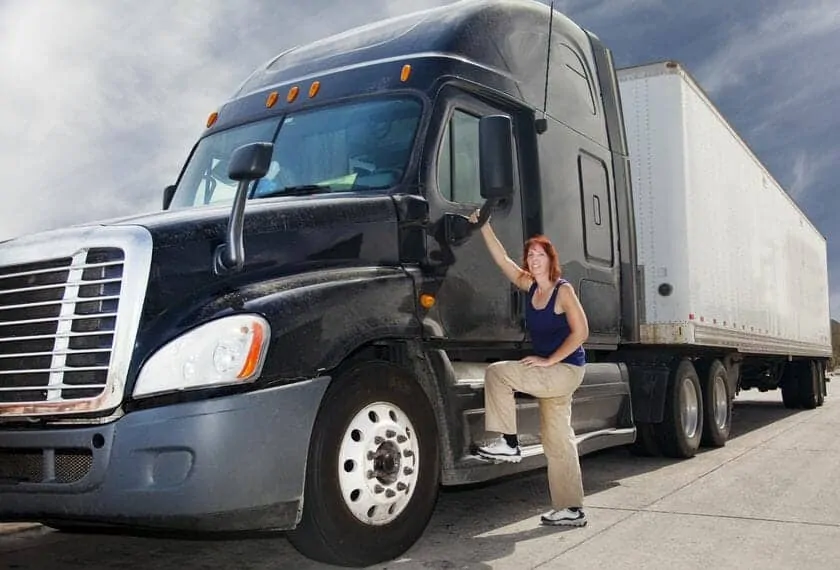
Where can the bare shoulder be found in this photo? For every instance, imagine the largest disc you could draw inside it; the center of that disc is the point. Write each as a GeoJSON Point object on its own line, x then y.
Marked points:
{"type": "Point", "coordinates": [567, 298]}
{"type": "Point", "coordinates": [567, 289]}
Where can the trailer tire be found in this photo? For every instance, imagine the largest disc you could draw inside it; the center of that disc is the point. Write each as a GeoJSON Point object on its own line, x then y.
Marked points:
{"type": "Point", "coordinates": [820, 372]}
{"type": "Point", "coordinates": [790, 393]}
{"type": "Point", "coordinates": [375, 441]}
{"type": "Point", "coordinates": [717, 405]}
{"type": "Point", "coordinates": [681, 429]}
{"type": "Point", "coordinates": [809, 385]}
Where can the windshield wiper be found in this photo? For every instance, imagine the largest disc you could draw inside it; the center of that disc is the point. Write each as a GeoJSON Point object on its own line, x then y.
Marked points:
{"type": "Point", "coordinates": [302, 190]}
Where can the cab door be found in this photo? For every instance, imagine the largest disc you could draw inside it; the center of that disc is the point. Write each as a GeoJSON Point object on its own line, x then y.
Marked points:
{"type": "Point", "coordinates": [474, 300]}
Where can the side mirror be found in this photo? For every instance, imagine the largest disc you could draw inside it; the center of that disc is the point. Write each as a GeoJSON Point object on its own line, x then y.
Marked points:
{"type": "Point", "coordinates": [247, 163]}
{"type": "Point", "coordinates": [168, 194]}
{"type": "Point", "coordinates": [250, 161]}
{"type": "Point", "coordinates": [495, 143]}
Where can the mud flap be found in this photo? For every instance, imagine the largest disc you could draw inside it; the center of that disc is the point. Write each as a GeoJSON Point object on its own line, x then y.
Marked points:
{"type": "Point", "coordinates": [648, 387]}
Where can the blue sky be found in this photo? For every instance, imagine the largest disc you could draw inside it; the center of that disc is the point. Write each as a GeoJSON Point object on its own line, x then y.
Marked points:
{"type": "Point", "coordinates": [101, 101]}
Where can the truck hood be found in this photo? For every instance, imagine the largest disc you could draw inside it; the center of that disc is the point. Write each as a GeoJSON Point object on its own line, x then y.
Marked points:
{"type": "Point", "coordinates": [282, 237]}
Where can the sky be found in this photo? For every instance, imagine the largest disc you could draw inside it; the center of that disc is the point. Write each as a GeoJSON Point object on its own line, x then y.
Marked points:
{"type": "Point", "coordinates": [102, 101]}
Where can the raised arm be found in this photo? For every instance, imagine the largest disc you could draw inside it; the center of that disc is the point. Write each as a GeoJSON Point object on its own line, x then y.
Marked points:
{"type": "Point", "coordinates": [512, 271]}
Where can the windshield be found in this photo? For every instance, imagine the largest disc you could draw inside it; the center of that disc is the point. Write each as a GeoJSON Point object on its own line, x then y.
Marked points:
{"type": "Point", "coordinates": [354, 146]}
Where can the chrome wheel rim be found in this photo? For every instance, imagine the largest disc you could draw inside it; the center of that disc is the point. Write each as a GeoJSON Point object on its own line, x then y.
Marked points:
{"type": "Point", "coordinates": [378, 463]}
{"type": "Point", "coordinates": [721, 403]}
{"type": "Point", "coordinates": [690, 408]}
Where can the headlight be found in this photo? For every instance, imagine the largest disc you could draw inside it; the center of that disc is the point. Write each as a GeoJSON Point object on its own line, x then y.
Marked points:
{"type": "Point", "coordinates": [230, 350]}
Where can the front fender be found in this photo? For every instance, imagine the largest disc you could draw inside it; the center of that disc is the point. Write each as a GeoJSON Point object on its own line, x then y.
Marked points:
{"type": "Point", "coordinates": [319, 318]}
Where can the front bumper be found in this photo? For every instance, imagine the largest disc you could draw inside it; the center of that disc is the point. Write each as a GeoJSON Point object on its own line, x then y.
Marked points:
{"type": "Point", "coordinates": [226, 464]}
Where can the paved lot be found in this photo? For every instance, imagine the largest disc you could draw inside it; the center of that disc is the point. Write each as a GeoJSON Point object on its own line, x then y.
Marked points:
{"type": "Point", "coordinates": [769, 499]}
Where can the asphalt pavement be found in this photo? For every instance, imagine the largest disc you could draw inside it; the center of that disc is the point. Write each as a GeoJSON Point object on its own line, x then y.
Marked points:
{"type": "Point", "coordinates": [769, 499]}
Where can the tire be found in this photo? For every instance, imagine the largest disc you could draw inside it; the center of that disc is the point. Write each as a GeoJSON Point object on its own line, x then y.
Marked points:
{"type": "Point", "coordinates": [820, 372]}
{"type": "Point", "coordinates": [681, 429]}
{"type": "Point", "coordinates": [790, 394]}
{"type": "Point", "coordinates": [717, 405]}
{"type": "Point", "coordinates": [808, 383]}
{"type": "Point", "coordinates": [645, 444]}
{"type": "Point", "coordinates": [376, 422]}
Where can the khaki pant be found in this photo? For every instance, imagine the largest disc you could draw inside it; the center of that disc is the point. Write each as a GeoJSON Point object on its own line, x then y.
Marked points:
{"type": "Point", "coordinates": [554, 386]}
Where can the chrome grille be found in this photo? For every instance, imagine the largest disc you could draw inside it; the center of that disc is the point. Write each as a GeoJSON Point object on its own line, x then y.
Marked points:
{"type": "Point", "coordinates": [68, 319]}
{"type": "Point", "coordinates": [57, 321]}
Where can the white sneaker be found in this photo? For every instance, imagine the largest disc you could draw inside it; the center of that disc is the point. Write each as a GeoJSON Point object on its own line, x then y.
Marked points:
{"type": "Point", "coordinates": [564, 517]}
{"type": "Point", "coordinates": [499, 450]}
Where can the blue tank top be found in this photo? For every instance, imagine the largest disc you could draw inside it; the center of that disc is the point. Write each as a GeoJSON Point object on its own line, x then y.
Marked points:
{"type": "Point", "coordinates": [549, 330]}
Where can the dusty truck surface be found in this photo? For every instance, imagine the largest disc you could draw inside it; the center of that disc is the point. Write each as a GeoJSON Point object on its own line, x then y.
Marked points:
{"type": "Point", "coordinates": [297, 341]}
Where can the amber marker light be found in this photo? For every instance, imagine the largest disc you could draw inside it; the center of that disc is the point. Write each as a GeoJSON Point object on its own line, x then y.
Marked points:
{"type": "Point", "coordinates": [427, 301]}
{"type": "Point", "coordinates": [405, 73]}
{"type": "Point", "coordinates": [211, 120]}
{"type": "Point", "coordinates": [293, 94]}
{"type": "Point", "coordinates": [314, 88]}
{"type": "Point", "coordinates": [254, 353]}
{"type": "Point", "coordinates": [271, 100]}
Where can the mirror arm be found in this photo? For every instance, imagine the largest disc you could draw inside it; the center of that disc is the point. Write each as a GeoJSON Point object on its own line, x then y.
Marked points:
{"type": "Point", "coordinates": [230, 256]}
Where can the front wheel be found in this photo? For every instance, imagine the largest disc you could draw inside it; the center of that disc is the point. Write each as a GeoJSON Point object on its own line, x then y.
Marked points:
{"type": "Point", "coordinates": [373, 470]}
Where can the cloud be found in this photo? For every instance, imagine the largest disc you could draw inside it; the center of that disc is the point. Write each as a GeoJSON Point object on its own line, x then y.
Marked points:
{"type": "Point", "coordinates": [807, 170]}
{"type": "Point", "coordinates": [776, 37]}
{"type": "Point", "coordinates": [103, 101]}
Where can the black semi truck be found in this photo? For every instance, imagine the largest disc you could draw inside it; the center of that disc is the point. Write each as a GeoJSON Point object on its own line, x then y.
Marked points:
{"type": "Point", "coordinates": [298, 340]}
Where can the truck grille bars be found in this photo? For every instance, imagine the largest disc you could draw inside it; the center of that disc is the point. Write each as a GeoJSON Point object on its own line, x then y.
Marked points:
{"type": "Point", "coordinates": [64, 319]}
{"type": "Point", "coordinates": [57, 321]}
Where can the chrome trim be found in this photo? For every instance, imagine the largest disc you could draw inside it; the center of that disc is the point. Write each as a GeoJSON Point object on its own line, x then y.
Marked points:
{"type": "Point", "coordinates": [60, 301]}
{"type": "Point", "coordinates": [81, 266]}
{"type": "Point", "coordinates": [62, 318]}
{"type": "Point", "coordinates": [74, 243]}
{"type": "Point", "coordinates": [64, 284]}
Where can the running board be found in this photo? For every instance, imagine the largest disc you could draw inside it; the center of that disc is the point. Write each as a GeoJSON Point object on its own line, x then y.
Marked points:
{"type": "Point", "coordinates": [473, 469]}
{"type": "Point", "coordinates": [584, 442]}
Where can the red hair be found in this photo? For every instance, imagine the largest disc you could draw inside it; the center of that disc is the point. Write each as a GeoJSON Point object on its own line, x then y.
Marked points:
{"type": "Point", "coordinates": [548, 248]}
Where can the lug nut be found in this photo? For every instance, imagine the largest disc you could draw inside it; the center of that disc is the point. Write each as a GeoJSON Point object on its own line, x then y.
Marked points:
{"type": "Point", "coordinates": [401, 486]}
{"type": "Point", "coordinates": [390, 434]}
{"type": "Point", "coordinates": [401, 439]}
{"type": "Point", "coordinates": [378, 440]}
{"type": "Point", "coordinates": [408, 453]}
{"type": "Point", "coordinates": [371, 456]}
{"type": "Point", "coordinates": [408, 470]}
{"type": "Point", "coordinates": [378, 489]}
{"type": "Point", "coordinates": [390, 493]}
{"type": "Point", "coordinates": [370, 474]}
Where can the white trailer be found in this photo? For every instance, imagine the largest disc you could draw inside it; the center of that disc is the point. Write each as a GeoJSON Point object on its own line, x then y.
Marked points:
{"type": "Point", "coordinates": [728, 259]}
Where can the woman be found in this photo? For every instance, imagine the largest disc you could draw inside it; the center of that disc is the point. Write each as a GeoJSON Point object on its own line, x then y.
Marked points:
{"type": "Point", "coordinates": [558, 327]}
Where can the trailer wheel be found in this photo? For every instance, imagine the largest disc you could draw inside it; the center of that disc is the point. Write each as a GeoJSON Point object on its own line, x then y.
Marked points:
{"type": "Point", "coordinates": [809, 385]}
{"type": "Point", "coordinates": [717, 405]}
{"type": "Point", "coordinates": [790, 388]}
{"type": "Point", "coordinates": [373, 469]}
{"type": "Point", "coordinates": [682, 425]}
{"type": "Point", "coordinates": [820, 372]}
